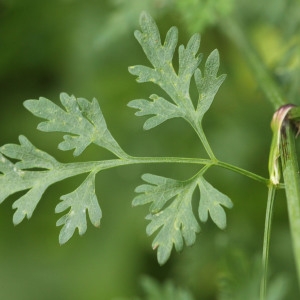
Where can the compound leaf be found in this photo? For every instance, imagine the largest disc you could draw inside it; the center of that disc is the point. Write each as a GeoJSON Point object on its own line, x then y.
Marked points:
{"type": "Point", "coordinates": [82, 119]}
{"type": "Point", "coordinates": [212, 202]}
{"type": "Point", "coordinates": [34, 172]}
{"type": "Point", "coordinates": [176, 223]}
{"type": "Point", "coordinates": [80, 201]}
{"type": "Point", "coordinates": [176, 85]}
{"type": "Point", "coordinates": [171, 212]}
{"type": "Point", "coordinates": [18, 177]}
{"type": "Point", "coordinates": [163, 74]}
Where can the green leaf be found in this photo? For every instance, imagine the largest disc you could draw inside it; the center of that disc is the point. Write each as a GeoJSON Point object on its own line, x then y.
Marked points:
{"type": "Point", "coordinates": [16, 178]}
{"type": "Point", "coordinates": [208, 84]}
{"type": "Point", "coordinates": [211, 202]}
{"type": "Point", "coordinates": [166, 291]}
{"type": "Point", "coordinates": [159, 190]}
{"type": "Point", "coordinates": [176, 85]}
{"type": "Point", "coordinates": [80, 201]}
{"type": "Point", "coordinates": [28, 155]}
{"type": "Point", "coordinates": [160, 107]}
{"type": "Point", "coordinates": [35, 171]}
{"type": "Point", "coordinates": [83, 120]}
{"type": "Point", "coordinates": [176, 222]}
{"type": "Point", "coordinates": [171, 212]}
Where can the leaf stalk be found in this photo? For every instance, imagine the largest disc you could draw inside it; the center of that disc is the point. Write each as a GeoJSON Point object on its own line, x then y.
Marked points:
{"type": "Point", "coordinates": [291, 178]}
{"type": "Point", "coordinates": [266, 241]}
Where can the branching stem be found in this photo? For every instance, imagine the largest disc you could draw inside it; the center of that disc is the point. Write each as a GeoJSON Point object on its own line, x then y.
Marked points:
{"type": "Point", "coordinates": [84, 167]}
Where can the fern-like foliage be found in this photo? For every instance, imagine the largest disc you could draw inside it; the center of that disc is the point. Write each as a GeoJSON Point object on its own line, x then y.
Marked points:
{"type": "Point", "coordinates": [171, 213]}
{"type": "Point", "coordinates": [35, 170]}
{"type": "Point", "coordinates": [18, 177]}
{"type": "Point", "coordinates": [23, 167]}
{"type": "Point", "coordinates": [176, 85]}
{"type": "Point", "coordinates": [171, 210]}
{"type": "Point", "coordinates": [83, 120]}
{"type": "Point", "coordinates": [80, 201]}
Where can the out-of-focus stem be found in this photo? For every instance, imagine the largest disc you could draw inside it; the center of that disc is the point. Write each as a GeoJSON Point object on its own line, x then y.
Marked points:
{"type": "Point", "coordinates": [259, 71]}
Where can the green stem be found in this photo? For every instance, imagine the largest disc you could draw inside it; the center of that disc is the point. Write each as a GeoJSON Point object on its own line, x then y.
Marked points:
{"type": "Point", "coordinates": [261, 74]}
{"type": "Point", "coordinates": [205, 142]}
{"type": "Point", "coordinates": [214, 162]}
{"type": "Point", "coordinates": [243, 172]}
{"type": "Point", "coordinates": [291, 178]}
{"type": "Point", "coordinates": [198, 129]}
{"type": "Point", "coordinates": [73, 169]}
{"type": "Point", "coordinates": [266, 242]}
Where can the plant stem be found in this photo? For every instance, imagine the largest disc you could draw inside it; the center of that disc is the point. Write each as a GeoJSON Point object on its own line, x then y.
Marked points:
{"type": "Point", "coordinates": [262, 76]}
{"type": "Point", "coordinates": [73, 169]}
{"type": "Point", "coordinates": [205, 143]}
{"type": "Point", "coordinates": [209, 162]}
{"type": "Point", "coordinates": [199, 130]}
{"type": "Point", "coordinates": [266, 242]}
{"type": "Point", "coordinates": [292, 188]}
{"type": "Point", "coordinates": [243, 172]}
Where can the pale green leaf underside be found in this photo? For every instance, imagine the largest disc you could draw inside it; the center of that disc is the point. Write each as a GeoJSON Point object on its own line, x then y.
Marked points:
{"type": "Point", "coordinates": [212, 202]}
{"type": "Point", "coordinates": [80, 201]}
{"type": "Point", "coordinates": [175, 84]}
{"type": "Point", "coordinates": [208, 83]}
{"type": "Point", "coordinates": [82, 119]}
{"type": "Point", "coordinates": [28, 155]}
{"type": "Point", "coordinates": [33, 173]}
{"type": "Point", "coordinates": [159, 107]}
{"type": "Point", "coordinates": [176, 222]}
{"type": "Point", "coordinates": [18, 177]}
{"type": "Point", "coordinates": [171, 211]}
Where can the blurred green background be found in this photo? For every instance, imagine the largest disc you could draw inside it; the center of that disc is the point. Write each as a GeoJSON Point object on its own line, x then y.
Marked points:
{"type": "Point", "coordinates": [84, 47]}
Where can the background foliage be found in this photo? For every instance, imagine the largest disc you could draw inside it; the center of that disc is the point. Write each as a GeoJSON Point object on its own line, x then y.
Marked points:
{"type": "Point", "coordinates": [85, 48]}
